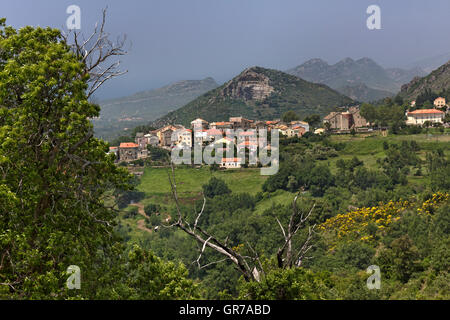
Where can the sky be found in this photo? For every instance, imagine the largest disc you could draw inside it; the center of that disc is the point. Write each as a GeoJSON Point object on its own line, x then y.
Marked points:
{"type": "Point", "coordinates": [173, 40]}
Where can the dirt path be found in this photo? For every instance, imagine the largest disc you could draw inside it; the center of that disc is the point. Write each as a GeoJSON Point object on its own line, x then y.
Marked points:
{"type": "Point", "coordinates": [140, 207]}
{"type": "Point", "coordinates": [141, 223]}
{"type": "Point", "coordinates": [141, 226]}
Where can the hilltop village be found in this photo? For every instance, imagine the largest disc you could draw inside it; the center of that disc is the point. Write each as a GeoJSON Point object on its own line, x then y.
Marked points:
{"type": "Point", "coordinates": [201, 132]}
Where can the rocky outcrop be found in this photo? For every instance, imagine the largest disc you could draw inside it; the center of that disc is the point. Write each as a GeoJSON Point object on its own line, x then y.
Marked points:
{"type": "Point", "coordinates": [436, 81]}
{"type": "Point", "coordinates": [250, 85]}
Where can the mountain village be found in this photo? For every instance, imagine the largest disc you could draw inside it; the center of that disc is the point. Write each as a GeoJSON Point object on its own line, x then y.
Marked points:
{"type": "Point", "coordinates": [201, 132]}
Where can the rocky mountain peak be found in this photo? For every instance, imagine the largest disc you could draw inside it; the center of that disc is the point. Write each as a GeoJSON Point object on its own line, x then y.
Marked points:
{"type": "Point", "coordinates": [251, 84]}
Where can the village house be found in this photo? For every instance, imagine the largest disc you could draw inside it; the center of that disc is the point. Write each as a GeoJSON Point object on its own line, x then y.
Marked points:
{"type": "Point", "coordinates": [152, 139]}
{"type": "Point", "coordinates": [319, 131]}
{"type": "Point", "coordinates": [213, 134]}
{"type": "Point", "coordinates": [224, 140]}
{"type": "Point", "coordinates": [357, 120]}
{"type": "Point", "coordinates": [282, 128]}
{"type": "Point", "coordinates": [345, 121]}
{"type": "Point", "coordinates": [183, 137]}
{"type": "Point", "coordinates": [166, 137]}
{"type": "Point", "coordinates": [420, 116]}
{"type": "Point", "coordinates": [141, 140]}
{"type": "Point", "coordinates": [199, 125]}
{"type": "Point", "coordinates": [165, 134]}
{"type": "Point", "coordinates": [440, 102]}
{"type": "Point", "coordinates": [248, 136]}
{"type": "Point", "coordinates": [240, 123]}
{"type": "Point", "coordinates": [128, 151]}
{"type": "Point", "coordinates": [295, 131]}
{"type": "Point", "coordinates": [221, 125]}
{"type": "Point", "coordinates": [303, 124]}
{"type": "Point", "coordinates": [200, 137]}
{"type": "Point", "coordinates": [259, 125]}
{"type": "Point", "coordinates": [272, 124]}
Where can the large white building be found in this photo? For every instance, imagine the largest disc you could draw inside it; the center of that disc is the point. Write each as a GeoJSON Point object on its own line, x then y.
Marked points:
{"type": "Point", "coordinates": [420, 116]}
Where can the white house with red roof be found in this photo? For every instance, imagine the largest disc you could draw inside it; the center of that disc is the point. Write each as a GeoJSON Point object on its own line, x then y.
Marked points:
{"type": "Point", "coordinates": [183, 137]}
{"type": "Point", "coordinates": [420, 116]}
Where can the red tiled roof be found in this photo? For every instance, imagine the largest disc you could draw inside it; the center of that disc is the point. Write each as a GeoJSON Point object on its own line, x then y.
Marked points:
{"type": "Point", "coordinates": [231, 159]}
{"type": "Point", "coordinates": [247, 133]}
{"type": "Point", "coordinates": [248, 143]}
{"type": "Point", "coordinates": [426, 111]}
{"type": "Point", "coordinates": [128, 145]}
{"type": "Point", "coordinates": [214, 132]}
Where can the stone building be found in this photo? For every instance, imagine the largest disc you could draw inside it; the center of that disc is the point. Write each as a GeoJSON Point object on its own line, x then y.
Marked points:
{"type": "Point", "coordinates": [128, 151]}
{"type": "Point", "coordinates": [344, 121]}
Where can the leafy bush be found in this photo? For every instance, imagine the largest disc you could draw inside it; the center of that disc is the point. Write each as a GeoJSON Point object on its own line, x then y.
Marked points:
{"type": "Point", "coordinates": [215, 187]}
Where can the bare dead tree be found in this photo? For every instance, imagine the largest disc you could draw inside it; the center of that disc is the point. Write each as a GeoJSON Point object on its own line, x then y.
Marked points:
{"type": "Point", "coordinates": [250, 267]}
{"type": "Point", "coordinates": [285, 255]}
{"type": "Point", "coordinates": [96, 52]}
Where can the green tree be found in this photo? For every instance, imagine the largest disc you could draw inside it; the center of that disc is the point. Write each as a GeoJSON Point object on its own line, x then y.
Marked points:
{"type": "Point", "coordinates": [215, 187]}
{"type": "Point", "coordinates": [400, 260]}
{"type": "Point", "coordinates": [313, 120]}
{"type": "Point", "coordinates": [55, 208]}
{"type": "Point", "coordinates": [289, 116]}
{"type": "Point", "coordinates": [369, 112]}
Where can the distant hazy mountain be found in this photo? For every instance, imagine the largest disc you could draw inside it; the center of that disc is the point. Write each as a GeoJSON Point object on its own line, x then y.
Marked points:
{"type": "Point", "coordinates": [431, 63]}
{"type": "Point", "coordinates": [403, 76]}
{"type": "Point", "coordinates": [349, 75]}
{"type": "Point", "coordinates": [361, 92]}
{"type": "Point", "coordinates": [259, 93]}
{"type": "Point", "coordinates": [436, 81]}
{"type": "Point", "coordinates": [120, 114]}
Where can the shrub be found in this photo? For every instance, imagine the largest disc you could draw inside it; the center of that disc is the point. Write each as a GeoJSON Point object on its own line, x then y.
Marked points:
{"type": "Point", "coordinates": [215, 187]}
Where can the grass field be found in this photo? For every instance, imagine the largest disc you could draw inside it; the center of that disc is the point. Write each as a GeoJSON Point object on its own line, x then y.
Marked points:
{"type": "Point", "coordinates": [155, 182]}
{"type": "Point", "coordinates": [368, 148]}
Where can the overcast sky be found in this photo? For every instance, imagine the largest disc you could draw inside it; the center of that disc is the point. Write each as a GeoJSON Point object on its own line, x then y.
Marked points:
{"type": "Point", "coordinates": [192, 39]}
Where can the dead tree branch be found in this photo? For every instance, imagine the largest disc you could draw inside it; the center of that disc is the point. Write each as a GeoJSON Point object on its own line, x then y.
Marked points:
{"type": "Point", "coordinates": [95, 52]}
{"type": "Point", "coordinates": [251, 267]}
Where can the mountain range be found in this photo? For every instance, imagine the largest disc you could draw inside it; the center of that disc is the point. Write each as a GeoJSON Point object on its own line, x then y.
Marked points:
{"type": "Point", "coordinates": [363, 79]}
{"type": "Point", "coordinates": [258, 93]}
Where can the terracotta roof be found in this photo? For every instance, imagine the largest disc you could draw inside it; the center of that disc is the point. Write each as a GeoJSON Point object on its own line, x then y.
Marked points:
{"type": "Point", "coordinates": [128, 145]}
{"type": "Point", "coordinates": [426, 111]}
{"type": "Point", "coordinates": [247, 133]}
{"type": "Point", "coordinates": [248, 143]}
{"type": "Point", "coordinates": [231, 159]}
{"type": "Point", "coordinates": [214, 132]}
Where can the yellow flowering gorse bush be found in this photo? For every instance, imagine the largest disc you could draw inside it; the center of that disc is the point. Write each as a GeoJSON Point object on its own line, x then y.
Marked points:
{"type": "Point", "coordinates": [354, 224]}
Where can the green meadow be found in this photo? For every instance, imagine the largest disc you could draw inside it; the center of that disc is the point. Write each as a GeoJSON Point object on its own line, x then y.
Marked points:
{"type": "Point", "coordinates": [368, 148]}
